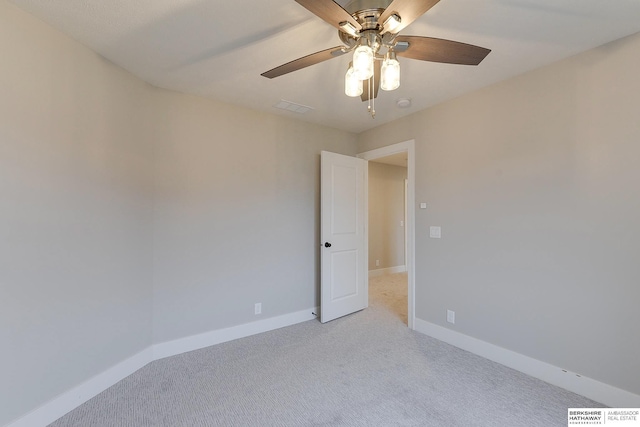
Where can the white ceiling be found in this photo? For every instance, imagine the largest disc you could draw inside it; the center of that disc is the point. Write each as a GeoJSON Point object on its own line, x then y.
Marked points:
{"type": "Point", "coordinates": [218, 49]}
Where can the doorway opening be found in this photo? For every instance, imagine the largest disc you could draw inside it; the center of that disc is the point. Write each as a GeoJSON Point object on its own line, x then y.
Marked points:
{"type": "Point", "coordinates": [391, 218]}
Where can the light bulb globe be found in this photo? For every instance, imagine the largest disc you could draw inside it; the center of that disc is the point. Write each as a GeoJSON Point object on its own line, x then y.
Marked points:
{"type": "Point", "coordinates": [390, 74]}
{"type": "Point", "coordinates": [352, 86]}
{"type": "Point", "coordinates": [363, 62]}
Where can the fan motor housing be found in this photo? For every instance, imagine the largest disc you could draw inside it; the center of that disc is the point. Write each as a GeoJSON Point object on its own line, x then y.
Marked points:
{"type": "Point", "coordinates": [355, 6]}
{"type": "Point", "coordinates": [367, 14]}
{"type": "Point", "coordinates": [368, 18]}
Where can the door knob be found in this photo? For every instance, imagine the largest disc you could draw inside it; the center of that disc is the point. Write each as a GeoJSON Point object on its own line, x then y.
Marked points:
{"type": "Point", "coordinates": [327, 244]}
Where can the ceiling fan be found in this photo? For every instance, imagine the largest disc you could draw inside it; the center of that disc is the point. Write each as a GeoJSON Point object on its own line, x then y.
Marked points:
{"type": "Point", "coordinates": [369, 29]}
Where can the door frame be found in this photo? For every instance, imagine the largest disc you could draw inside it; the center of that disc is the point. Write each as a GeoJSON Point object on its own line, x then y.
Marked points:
{"type": "Point", "coordinates": [409, 148]}
{"type": "Point", "coordinates": [406, 210]}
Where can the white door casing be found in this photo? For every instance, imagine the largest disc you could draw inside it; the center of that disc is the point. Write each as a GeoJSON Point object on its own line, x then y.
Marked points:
{"type": "Point", "coordinates": [343, 226]}
{"type": "Point", "coordinates": [409, 148]}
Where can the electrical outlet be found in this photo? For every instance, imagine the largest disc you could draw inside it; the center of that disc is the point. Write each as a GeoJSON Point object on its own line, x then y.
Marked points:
{"type": "Point", "coordinates": [258, 308]}
{"type": "Point", "coordinates": [451, 316]}
{"type": "Point", "coordinates": [377, 263]}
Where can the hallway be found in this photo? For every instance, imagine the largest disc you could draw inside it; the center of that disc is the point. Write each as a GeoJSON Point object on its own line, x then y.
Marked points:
{"type": "Point", "coordinates": [390, 292]}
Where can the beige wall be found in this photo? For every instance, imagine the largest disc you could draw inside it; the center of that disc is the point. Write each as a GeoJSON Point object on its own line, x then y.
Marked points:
{"type": "Point", "coordinates": [535, 183]}
{"type": "Point", "coordinates": [386, 215]}
{"type": "Point", "coordinates": [236, 217]}
{"type": "Point", "coordinates": [75, 214]}
{"type": "Point", "coordinates": [131, 215]}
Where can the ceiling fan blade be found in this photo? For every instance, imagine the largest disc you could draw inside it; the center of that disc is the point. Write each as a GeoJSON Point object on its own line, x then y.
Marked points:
{"type": "Point", "coordinates": [408, 10]}
{"type": "Point", "coordinates": [304, 62]}
{"type": "Point", "coordinates": [330, 11]}
{"type": "Point", "coordinates": [439, 50]}
{"type": "Point", "coordinates": [375, 83]}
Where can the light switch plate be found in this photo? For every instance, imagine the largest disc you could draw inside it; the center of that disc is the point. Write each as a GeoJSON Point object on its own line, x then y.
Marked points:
{"type": "Point", "coordinates": [423, 206]}
{"type": "Point", "coordinates": [435, 232]}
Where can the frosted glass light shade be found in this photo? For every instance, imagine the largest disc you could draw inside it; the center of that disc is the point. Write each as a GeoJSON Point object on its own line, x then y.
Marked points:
{"type": "Point", "coordinates": [390, 78]}
{"type": "Point", "coordinates": [352, 86]}
{"type": "Point", "coordinates": [363, 62]}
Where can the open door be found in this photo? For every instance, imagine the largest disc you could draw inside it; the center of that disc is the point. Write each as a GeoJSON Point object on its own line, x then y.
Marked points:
{"type": "Point", "coordinates": [343, 272]}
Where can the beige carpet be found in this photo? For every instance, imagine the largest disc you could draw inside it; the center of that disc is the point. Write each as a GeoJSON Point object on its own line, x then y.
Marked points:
{"type": "Point", "coordinates": [390, 292]}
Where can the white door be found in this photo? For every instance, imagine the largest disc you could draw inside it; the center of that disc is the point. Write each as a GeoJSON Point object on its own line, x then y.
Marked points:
{"type": "Point", "coordinates": [343, 272]}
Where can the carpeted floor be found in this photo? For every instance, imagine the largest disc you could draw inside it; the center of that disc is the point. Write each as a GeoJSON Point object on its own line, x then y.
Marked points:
{"type": "Point", "coordinates": [390, 291]}
{"type": "Point", "coordinates": [366, 369]}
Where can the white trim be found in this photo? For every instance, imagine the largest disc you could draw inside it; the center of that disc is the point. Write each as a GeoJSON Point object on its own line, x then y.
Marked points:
{"type": "Point", "coordinates": [410, 148]}
{"type": "Point", "coordinates": [195, 342]}
{"type": "Point", "coordinates": [390, 270]}
{"type": "Point", "coordinates": [365, 250]}
{"type": "Point", "coordinates": [585, 386]}
{"type": "Point", "coordinates": [406, 235]}
{"type": "Point", "coordinates": [68, 401]}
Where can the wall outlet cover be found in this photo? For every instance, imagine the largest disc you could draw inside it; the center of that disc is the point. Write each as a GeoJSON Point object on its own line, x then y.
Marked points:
{"type": "Point", "coordinates": [451, 316]}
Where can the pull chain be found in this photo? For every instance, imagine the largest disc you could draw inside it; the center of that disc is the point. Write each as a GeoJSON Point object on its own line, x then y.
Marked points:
{"type": "Point", "coordinates": [372, 100]}
{"type": "Point", "coordinates": [373, 96]}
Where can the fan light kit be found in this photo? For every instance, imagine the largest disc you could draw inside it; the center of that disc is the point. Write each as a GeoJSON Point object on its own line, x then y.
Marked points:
{"type": "Point", "coordinates": [369, 29]}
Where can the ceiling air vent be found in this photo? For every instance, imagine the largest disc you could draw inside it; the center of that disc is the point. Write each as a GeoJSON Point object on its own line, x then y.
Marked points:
{"type": "Point", "coordinates": [293, 107]}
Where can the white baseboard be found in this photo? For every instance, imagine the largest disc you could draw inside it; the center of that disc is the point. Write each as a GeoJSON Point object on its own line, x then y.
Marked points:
{"type": "Point", "coordinates": [195, 342]}
{"type": "Point", "coordinates": [68, 401]}
{"type": "Point", "coordinates": [390, 270]}
{"type": "Point", "coordinates": [595, 390]}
